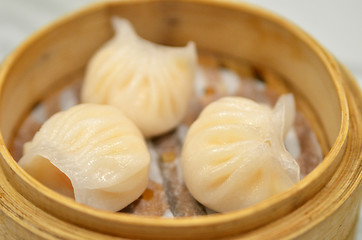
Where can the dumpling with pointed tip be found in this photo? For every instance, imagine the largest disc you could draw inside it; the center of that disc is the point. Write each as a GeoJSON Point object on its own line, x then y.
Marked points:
{"type": "Point", "coordinates": [150, 83]}
{"type": "Point", "coordinates": [94, 150]}
{"type": "Point", "coordinates": [234, 154]}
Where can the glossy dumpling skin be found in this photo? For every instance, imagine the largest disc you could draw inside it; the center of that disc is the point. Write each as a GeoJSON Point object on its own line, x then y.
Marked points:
{"type": "Point", "coordinates": [93, 149]}
{"type": "Point", "coordinates": [151, 84]}
{"type": "Point", "coordinates": [234, 154]}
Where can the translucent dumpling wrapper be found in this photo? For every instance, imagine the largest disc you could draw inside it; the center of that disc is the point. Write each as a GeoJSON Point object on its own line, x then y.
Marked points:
{"type": "Point", "coordinates": [152, 84]}
{"type": "Point", "coordinates": [234, 154]}
{"type": "Point", "coordinates": [93, 150]}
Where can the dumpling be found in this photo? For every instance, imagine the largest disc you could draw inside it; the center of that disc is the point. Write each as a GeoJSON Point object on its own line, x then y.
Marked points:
{"type": "Point", "coordinates": [234, 154]}
{"type": "Point", "coordinates": [93, 149]}
{"type": "Point", "coordinates": [151, 84]}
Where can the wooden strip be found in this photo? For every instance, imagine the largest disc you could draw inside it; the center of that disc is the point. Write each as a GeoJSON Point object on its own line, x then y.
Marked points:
{"type": "Point", "coordinates": [180, 200]}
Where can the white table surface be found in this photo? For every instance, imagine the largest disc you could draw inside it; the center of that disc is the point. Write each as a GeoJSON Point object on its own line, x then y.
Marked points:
{"type": "Point", "coordinates": [337, 27]}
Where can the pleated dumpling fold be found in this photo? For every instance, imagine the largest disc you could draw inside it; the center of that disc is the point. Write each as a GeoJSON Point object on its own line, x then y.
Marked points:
{"type": "Point", "coordinates": [93, 150]}
{"type": "Point", "coordinates": [151, 84]}
{"type": "Point", "coordinates": [234, 154]}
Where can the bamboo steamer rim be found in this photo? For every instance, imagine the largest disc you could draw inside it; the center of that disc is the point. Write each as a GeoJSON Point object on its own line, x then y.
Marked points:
{"type": "Point", "coordinates": [272, 203]}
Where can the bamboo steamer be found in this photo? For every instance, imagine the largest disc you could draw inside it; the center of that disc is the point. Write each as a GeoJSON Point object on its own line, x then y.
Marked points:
{"type": "Point", "coordinates": [324, 205]}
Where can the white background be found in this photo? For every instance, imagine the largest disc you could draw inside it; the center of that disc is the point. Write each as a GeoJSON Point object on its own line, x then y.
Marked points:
{"type": "Point", "coordinates": [336, 24]}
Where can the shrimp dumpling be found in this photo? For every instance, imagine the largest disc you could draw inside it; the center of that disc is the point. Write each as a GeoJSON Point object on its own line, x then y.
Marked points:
{"type": "Point", "coordinates": [93, 150]}
{"type": "Point", "coordinates": [234, 154]}
{"type": "Point", "coordinates": [151, 84]}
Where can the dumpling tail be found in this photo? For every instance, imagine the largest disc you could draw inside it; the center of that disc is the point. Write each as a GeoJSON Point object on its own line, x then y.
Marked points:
{"type": "Point", "coordinates": [191, 49]}
{"type": "Point", "coordinates": [290, 165]}
{"type": "Point", "coordinates": [123, 28]}
{"type": "Point", "coordinates": [284, 111]}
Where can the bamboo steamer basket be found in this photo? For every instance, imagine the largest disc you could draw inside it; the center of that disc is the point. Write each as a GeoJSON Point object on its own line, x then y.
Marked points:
{"type": "Point", "coordinates": [324, 205]}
